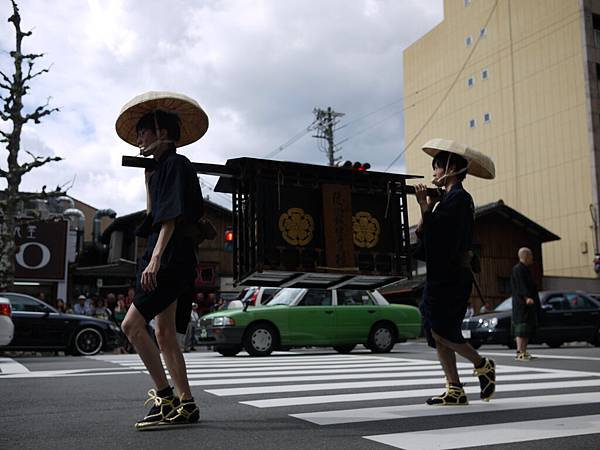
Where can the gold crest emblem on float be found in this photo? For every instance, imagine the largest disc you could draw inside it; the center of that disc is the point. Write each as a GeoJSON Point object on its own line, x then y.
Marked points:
{"type": "Point", "coordinates": [297, 227]}
{"type": "Point", "coordinates": [366, 230]}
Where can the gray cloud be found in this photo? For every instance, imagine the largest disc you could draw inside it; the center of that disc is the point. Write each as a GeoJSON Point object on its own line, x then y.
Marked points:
{"type": "Point", "coordinates": [257, 67]}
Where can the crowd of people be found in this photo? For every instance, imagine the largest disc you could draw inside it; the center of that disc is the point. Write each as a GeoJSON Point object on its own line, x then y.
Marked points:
{"type": "Point", "coordinates": [114, 307]}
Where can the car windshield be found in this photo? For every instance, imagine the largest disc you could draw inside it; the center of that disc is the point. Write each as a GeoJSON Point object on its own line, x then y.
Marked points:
{"type": "Point", "coordinates": [284, 297]}
{"type": "Point", "coordinates": [249, 293]}
{"type": "Point", "coordinates": [506, 305]}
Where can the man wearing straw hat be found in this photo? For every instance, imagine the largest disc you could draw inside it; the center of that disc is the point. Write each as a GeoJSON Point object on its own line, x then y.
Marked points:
{"type": "Point", "coordinates": [446, 232]}
{"type": "Point", "coordinates": [158, 122]}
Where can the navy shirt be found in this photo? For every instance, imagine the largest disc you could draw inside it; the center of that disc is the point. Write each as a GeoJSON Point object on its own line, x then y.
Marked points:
{"type": "Point", "coordinates": [175, 195]}
{"type": "Point", "coordinates": [447, 235]}
{"type": "Point", "coordinates": [522, 286]}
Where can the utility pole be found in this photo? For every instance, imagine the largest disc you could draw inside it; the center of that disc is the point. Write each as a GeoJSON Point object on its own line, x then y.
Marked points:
{"type": "Point", "coordinates": [326, 120]}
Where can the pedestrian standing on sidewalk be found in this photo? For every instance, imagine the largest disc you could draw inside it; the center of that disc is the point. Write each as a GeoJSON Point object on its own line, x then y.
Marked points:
{"type": "Point", "coordinates": [445, 232]}
{"type": "Point", "coordinates": [190, 335]}
{"type": "Point", "coordinates": [525, 303]}
{"type": "Point", "coordinates": [157, 122]}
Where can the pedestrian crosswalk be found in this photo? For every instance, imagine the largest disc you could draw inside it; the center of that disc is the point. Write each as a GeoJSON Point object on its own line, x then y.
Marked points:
{"type": "Point", "coordinates": [349, 389]}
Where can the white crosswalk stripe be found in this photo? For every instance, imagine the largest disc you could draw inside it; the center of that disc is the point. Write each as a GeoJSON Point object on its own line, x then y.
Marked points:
{"type": "Point", "coordinates": [287, 382]}
{"type": "Point", "coordinates": [498, 433]}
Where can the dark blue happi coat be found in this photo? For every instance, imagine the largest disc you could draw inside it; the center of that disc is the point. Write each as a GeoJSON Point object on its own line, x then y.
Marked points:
{"type": "Point", "coordinates": [446, 236]}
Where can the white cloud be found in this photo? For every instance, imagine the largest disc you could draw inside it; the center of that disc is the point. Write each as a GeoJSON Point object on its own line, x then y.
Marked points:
{"type": "Point", "coordinates": [257, 67]}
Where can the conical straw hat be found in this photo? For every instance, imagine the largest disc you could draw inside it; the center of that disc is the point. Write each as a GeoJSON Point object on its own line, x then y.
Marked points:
{"type": "Point", "coordinates": [194, 121]}
{"type": "Point", "coordinates": [480, 165]}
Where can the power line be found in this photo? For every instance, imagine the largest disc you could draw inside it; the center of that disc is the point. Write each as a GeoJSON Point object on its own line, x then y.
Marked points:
{"type": "Point", "coordinates": [500, 50]}
{"type": "Point", "coordinates": [364, 116]}
{"type": "Point", "coordinates": [291, 140]}
{"type": "Point", "coordinates": [376, 124]}
{"type": "Point", "coordinates": [447, 92]}
{"type": "Point", "coordinates": [212, 188]}
{"type": "Point", "coordinates": [434, 93]}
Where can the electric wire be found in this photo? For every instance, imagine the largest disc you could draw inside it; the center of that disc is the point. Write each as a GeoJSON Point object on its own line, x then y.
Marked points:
{"type": "Point", "coordinates": [447, 92]}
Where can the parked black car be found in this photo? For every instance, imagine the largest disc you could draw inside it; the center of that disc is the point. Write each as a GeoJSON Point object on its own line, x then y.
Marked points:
{"type": "Point", "coordinates": [39, 327]}
{"type": "Point", "coordinates": [564, 317]}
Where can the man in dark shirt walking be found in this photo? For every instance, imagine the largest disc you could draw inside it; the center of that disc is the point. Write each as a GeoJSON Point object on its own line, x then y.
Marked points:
{"type": "Point", "coordinates": [446, 233]}
{"type": "Point", "coordinates": [525, 303]}
{"type": "Point", "coordinates": [158, 122]}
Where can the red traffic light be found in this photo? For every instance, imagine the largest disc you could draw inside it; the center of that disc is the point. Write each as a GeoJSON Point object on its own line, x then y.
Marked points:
{"type": "Point", "coordinates": [361, 167]}
{"type": "Point", "coordinates": [228, 236]}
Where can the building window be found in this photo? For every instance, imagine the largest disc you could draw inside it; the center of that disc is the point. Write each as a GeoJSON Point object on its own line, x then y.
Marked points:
{"type": "Point", "coordinates": [472, 123]}
{"type": "Point", "coordinates": [483, 32]}
{"type": "Point", "coordinates": [470, 82]}
{"type": "Point", "coordinates": [487, 117]}
{"type": "Point", "coordinates": [468, 41]}
{"type": "Point", "coordinates": [596, 26]}
{"type": "Point", "coordinates": [484, 74]}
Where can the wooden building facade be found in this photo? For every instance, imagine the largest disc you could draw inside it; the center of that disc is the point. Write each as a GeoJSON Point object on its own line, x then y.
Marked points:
{"type": "Point", "coordinates": [123, 248]}
{"type": "Point", "coordinates": [499, 233]}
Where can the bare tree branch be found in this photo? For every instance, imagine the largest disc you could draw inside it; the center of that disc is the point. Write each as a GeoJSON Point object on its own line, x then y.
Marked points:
{"type": "Point", "coordinates": [39, 112]}
{"type": "Point", "coordinates": [39, 195]}
{"type": "Point", "coordinates": [38, 163]}
{"type": "Point", "coordinates": [5, 78]}
{"type": "Point", "coordinates": [32, 55]}
{"type": "Point", "coordinates": [31, 76]}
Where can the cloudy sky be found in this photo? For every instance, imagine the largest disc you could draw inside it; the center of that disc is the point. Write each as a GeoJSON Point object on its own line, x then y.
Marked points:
{"type": "Point", "coordinates": [258, 68]}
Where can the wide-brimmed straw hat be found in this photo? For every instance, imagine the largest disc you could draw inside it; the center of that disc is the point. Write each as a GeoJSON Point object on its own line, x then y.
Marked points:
{"type": "Point", "coordinates": [480, 165]}
{"type": "Point", "coordinates": [194, 121]}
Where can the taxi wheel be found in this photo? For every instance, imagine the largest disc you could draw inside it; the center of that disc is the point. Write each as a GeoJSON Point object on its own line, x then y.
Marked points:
{"type": "Point", "coordinates": [228, 350]}
{"type": "Point", "coordinates": [381, 339]}
{"type": "Point", "coordinates": [260, 339]}
{"type": "Point", "coordinates": [344, 348]}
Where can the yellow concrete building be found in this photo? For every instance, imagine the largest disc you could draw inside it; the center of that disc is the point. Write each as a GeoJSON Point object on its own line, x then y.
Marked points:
{"type": "Point", "coordinates": [518, 80]}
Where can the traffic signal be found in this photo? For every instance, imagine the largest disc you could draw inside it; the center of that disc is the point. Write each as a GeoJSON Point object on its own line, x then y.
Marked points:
{"type": "Point", "coordinates": [228, 239]}
{"type": "Point", "coordinates": [358, 166]}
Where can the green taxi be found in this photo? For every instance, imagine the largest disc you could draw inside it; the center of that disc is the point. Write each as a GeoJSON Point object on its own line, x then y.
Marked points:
{"type": "Point", "coordinates": [299, 317]}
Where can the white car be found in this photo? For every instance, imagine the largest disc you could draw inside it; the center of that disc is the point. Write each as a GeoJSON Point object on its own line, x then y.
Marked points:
{"type": "Point", "coordinates": [7, 329]}
{"type": "Point", "coordinates": [259, 296]}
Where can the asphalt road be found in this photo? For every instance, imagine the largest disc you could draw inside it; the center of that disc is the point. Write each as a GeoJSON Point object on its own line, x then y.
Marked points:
{"type": "Point", "coordinates": [307, 399]}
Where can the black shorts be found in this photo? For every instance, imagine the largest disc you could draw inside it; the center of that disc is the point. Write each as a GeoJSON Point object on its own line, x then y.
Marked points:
{"type": "Point", "coordinates": [171, 285]}
{"type": "Point", "coordinates": [444, 307]}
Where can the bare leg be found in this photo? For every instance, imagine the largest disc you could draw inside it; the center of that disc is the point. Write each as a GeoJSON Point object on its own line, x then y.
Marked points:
{"type": "Point", "coordinates": [521, 344]}
{"type": "Point", "coordinates": [166, 335]}
{"type": "Point", "coordinates": [134, 326]}
{"type": "Point", "coordinates": [465, 350]}
{"type": "Point", "coordinates": [447, 359]}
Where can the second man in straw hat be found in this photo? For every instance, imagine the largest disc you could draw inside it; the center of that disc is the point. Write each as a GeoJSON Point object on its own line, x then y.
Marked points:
{"type": "Point", "coordinates": [445, 232]}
